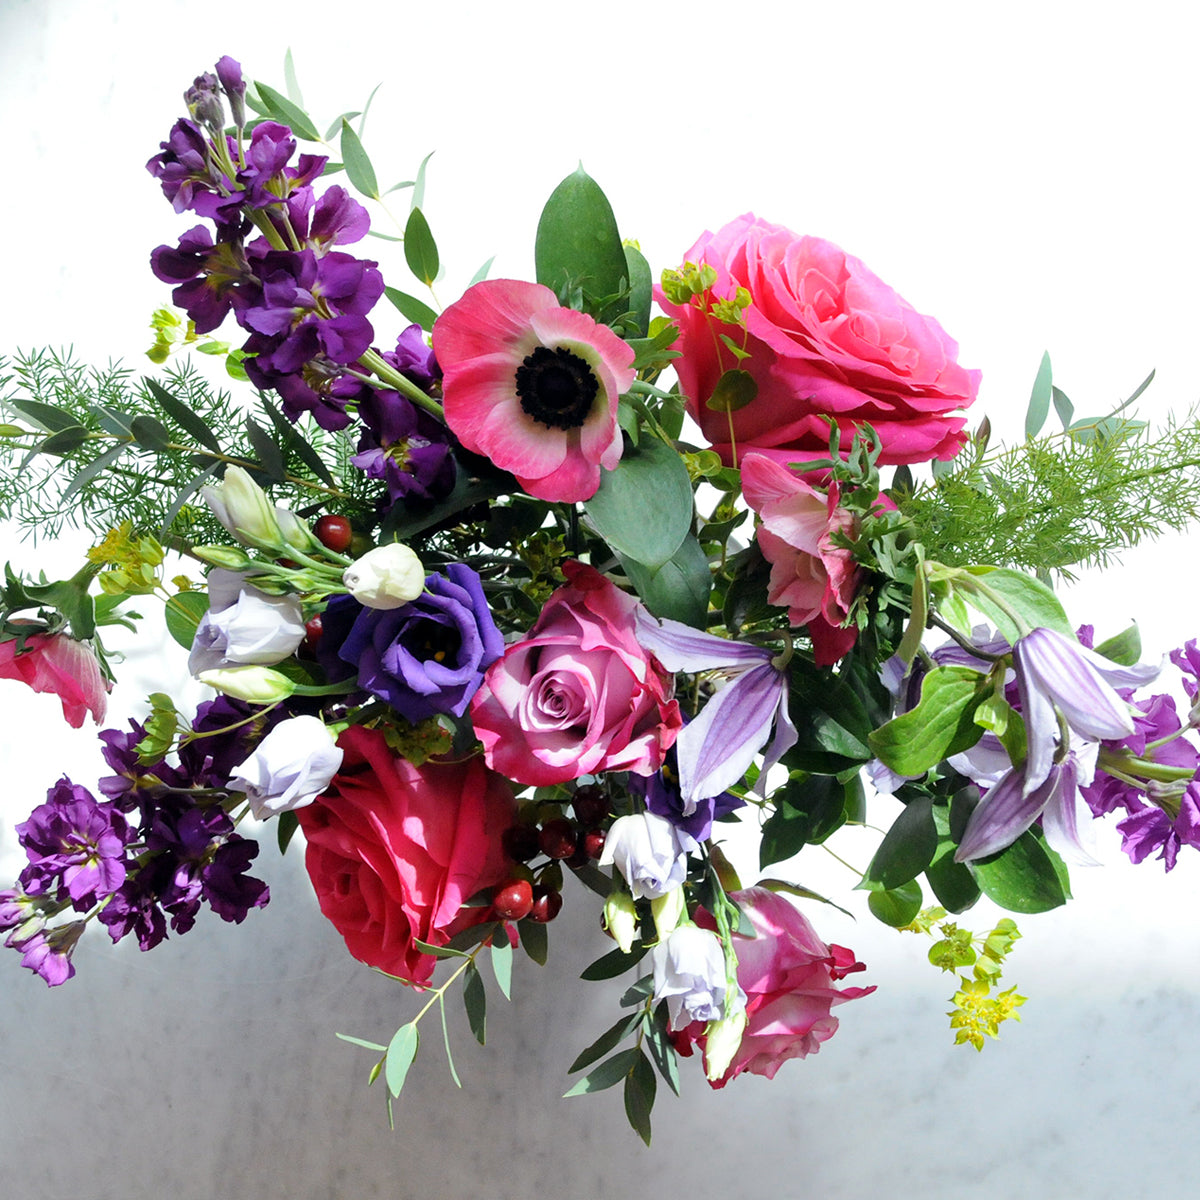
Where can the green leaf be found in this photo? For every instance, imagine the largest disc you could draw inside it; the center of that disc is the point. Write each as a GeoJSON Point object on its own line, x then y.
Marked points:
{"type": "Point", "coordinates": [942, 723]}
{"type": "Point", "coordinates": [606, 1075]}
{"type": "Point", "coordinates": [150, 433]}
{"type": "Point", "coordinates": [45, 416]}
{"type": "Point", "coordinates": [64, 441]}
{"type": "Point", "coordinates": [293, 443]}
{"type": "Point", "coordinates": [96, 467]}
{"type": "Point", "coordinates": [420, 250]}
{"type": "Point", "coordinates": [358, 166]}
{"type": "Point", "coordinates": [475, 1002]}
{"type": "Point", "coordinates": [641, 287]}
{"type": "Point", "coordinates": [952, 883]}
{"type": "Point", "coordinates": [268, 453]}
{"type": "Point", "coordinates": [1032, 601]}
{"type": "Point", "coordinates": [283, 110]}
{"type": "Point", "coordinates": [359, 1042]}
{"type": "Point", "coordinates": [808, 808]}
{"type": "Point", "coordinates": [334, 128]}
{"type": "Point", "coordinates": [1125, 648]}
{"type": "Point", "coordinates": [185, 494]}
{"type": "Point", "coordinates": [606, 1041]}
{"type": "Point", "coordinates": [1039, 399]}
{"type": "Point", "coordinates": [643, 509]}
{"type": "Point", "coordinates": [680, 588]}
{"type": "Point", "coordinates": [439, 951]}
{"type": "Point", "coordinates": [898, 906]}
{"type": "Point", "coordinates": [577, 242]}
{"type": "Point", "coordinates": [482, 273]}
{"type": "Point", "coordinates": [907, 849]}
{"type": "Point", "coordinates": [412, 309]}
{"type": "Point", "coordinates": [401, 1051]}
{"type": "Point", "coordinates": [285, 830]}
{"type": "Point", "coordinates": [663, 1052]}
{"type": "Point", "coordinates": [290, 80]}
{"type": "Point", "coordinates": [362, 120]}
{"type": "Point", "coordinates": [534, 940]}
{"type": "Point", "coordinates": [1025, 877]}
{"type": "Point", "coordinates": [614, 963]}
{"type": "Point", "coordinates": [640, 1088]}
{"type": "Point", "coordinates": [446, 1041]}
{"type": "Point", "coordinates": [418, 196]}
{"type": "Point", "coordinates": [1063, 406]}
{"type": "Point", "coordinates": [502, 959]}
{"type": "Point", "coordinates": [190, 422]}
{"type": "Point", "coordinates": [183, 612]}
{"type": "Point", "coordinates": [735, 389]}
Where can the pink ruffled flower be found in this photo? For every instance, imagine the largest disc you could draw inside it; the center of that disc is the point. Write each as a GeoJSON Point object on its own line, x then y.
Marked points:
{"type": "Point", "coordinates": [578, 695]}
{"type": "Point", "coordinates": [826, 338]}
{"type": "Point", "coordinates": [811, 577]}
{"type": "Point", "coordinates": [788, 975]}
{"type": "Point", "coordinates": [59, 664]}
{"type": "Point", "coordinates": [533, 386]}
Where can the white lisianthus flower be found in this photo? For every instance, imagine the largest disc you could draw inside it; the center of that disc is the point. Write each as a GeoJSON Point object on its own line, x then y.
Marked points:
{"type": "Point", "coordinates": [289, 769]}
{"type": "Point", "coordinates": [386, 577]}
{"type": "Point", "coordinates": [690, 975]}
{"type": "Point", "coordinates": [649, 852]}
{"type": "Point", "coordinates": [244, 626]}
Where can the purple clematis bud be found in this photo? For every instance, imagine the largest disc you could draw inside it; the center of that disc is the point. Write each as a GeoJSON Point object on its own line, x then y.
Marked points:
{"type": "Point", "coordinates": [1056, 675]}
{"type": "Point", "coordinates": [716, 748]}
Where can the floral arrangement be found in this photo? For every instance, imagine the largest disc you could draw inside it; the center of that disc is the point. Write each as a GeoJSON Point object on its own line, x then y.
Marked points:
{"type": "Point", "coordinates": [547, 584]}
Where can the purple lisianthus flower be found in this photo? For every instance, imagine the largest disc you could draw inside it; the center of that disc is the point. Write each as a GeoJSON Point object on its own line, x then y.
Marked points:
{"type": "Point", "coordinates": [716, 748]}
{"type": "Point", "coordinates": [404, 447]}
{"type": "Point", "coordinates": [76, 843]}
{"type": "Point", "coordinates": [427, 656]}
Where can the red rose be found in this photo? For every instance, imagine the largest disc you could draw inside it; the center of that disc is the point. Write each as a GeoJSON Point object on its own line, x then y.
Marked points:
{"type": "Point", "coordinates": [825, 338]}
{"type": "Point", "coordinates": [394, 850]}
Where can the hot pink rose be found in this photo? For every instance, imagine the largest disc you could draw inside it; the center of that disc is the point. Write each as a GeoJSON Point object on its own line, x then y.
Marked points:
{"type": "Point", "coordinates": [788, 975]}
{"type": "Point", "coordinates": [59, 664]}
{"type": "Point", "coordinates": [394, 850]}
{"type": "Point", "coordinates": [811, 577]}
{"type": "Point", "coordinates": [578, 695]}
{"type": "Point", "coordinates": [826, 337]}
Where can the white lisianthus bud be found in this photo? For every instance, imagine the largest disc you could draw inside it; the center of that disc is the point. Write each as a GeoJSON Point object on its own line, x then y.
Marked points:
{"type": "Point", "coordinates": [668, 909]}
{"type": "Point", "coordinates": [243, 509]}
{"type": "Point", "coordinates": [255, 685]}
{"type": "Point", "coordinates": [386, 577]}
{"type": "Point", "coordinates": [649, 852]}
{"type": "Point", "coordinates": [226, 557]}
{"type": "Point", "coordinates": [724, 1038]}
{"type": "Point", "coordinates": [290, 768]}
{"type": "Point", "coordinates": [621, 919]}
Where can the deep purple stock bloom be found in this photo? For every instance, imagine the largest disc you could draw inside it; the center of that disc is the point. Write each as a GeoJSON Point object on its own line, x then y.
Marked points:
{"type": "Point", "coordinates": [184, 169]}
{"type": "Point", "coordinates": [404, 447]}
{"type": "Point", "coordinates": [232, 729]}
{"type": "Point", "coordinates": [414, 359]}
{"type": "Point", "coordinates": [76, 843]}
{"type": "Point", "coordinates": [428, 656]}
{"type": "Point", "coordinates": [266, 179]}
{"type": "Point", "coordinates": [212, 277]}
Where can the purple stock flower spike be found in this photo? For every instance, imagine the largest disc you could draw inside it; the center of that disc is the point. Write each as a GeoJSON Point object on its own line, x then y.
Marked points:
{"type": "Point", "coordinates": [1056, 673]}
{"type": "Point", "coordinates": [716, 748]}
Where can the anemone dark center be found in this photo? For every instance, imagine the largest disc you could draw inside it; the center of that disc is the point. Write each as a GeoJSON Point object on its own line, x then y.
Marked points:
{"type": "Point", "coordinates": [434, 641]}
{"type": "Point", "coordinates": [556, 387]}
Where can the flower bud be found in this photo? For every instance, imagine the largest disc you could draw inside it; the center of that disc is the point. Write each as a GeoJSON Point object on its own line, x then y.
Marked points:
{"type": "Point", "coordinates": [243, 509]}
{"type": "Point", "coordinates": [255, 685]}
{"type": "Point", "coordinates": [621, 919]}
{"type": "Point", "coordinates": [229, 72]}
{"type": "Point", "coordinates": [668, 909]}
{"type": "Point", "coordinates": [222, 556]}
{"type": "Point", "coordinates": [386, 577]}
{"type": "Point", "coordinates": [724, 1038]}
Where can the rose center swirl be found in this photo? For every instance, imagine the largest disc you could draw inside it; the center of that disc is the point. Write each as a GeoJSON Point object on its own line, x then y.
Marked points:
{"type": "Point", "coordinates": [556, 387]}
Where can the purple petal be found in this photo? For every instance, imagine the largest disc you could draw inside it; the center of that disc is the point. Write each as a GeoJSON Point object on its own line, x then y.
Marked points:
{"type": "Point", "coordinates": [1004, 814]}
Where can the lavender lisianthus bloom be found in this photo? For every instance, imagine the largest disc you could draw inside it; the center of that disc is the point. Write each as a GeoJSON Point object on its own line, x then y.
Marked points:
{"type": "Point", "coordinates": [289, 768]}
{"type": "Point", "coordinates": [690, 975]}
{"type": "Point", "coordinates": [244, 625]}
{"type": "Point", "coordinates": [716, 748]}
{"type": "Point", "coordinates": [427, 656]}
{"type": "Point", "coordinates": [650, 853]}
{"type": "Point", "coordinates": [75, 844]}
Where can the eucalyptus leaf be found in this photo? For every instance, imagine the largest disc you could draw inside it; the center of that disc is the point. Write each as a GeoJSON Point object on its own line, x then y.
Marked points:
{"type": "Point", "coordinates": [502, 960]}
{"type": "Point", "coordinates": [358, 165]}
{"type": "Point", "coordinates": [412, 309]}
{"type": "Point", "coordinates": [287, 113]}
{"type": "Point", "coordinates": [420, 250]}
{"type": "Point", "coordinates": [475, 1002]}
{"type": "Point", "coordinates": [268, 453]}
{"type": "Point", "coordinates": [605, 1042]}
{"type": "Point", "coordinates": [187, 420]}
{"type": "Point", "coordinates": [401, 1051]}
{"type": "Point", "coordinates": [150, 434]}
{"type": "Point", "coordinates": [534, 940]}
{"type": "Point", "coordinates": [1039, 399]}
{"type": "Point", "coordinates": [640, 1088]}
{"type": "Point", "coordinates": [614, 963]}
{"type": "Point", "coordinates": [609, 1073]}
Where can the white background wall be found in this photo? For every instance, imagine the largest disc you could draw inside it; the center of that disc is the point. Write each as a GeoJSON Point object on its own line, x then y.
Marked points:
{"type": "Point", "coordinates": [1024, 172]}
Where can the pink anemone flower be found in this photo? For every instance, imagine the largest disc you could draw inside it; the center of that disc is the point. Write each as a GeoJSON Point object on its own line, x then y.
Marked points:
{"type": "Point", "coordinates": [533, 386]}
{"type": "Point", "coordinates": [59, 664]}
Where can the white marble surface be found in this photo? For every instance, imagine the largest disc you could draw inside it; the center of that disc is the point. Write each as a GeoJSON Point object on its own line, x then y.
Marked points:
{"type": "Point", "coordinates": [1026, 175]}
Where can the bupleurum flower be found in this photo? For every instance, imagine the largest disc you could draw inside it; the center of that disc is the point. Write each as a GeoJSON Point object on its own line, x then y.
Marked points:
{"type": "Point", "coordinates": [533, 386]}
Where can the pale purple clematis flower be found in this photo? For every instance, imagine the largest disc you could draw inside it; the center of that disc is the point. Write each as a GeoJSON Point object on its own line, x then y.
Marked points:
{"type": "Point", "coordinates": [715, 749]}
{"type": "Point", "coordinates": [1009, 808]}
{"type": "Point", "coordinates": [1056, 675]}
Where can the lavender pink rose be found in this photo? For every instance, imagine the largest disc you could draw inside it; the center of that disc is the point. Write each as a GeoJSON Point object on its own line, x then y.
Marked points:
{"type": "Point", "coordinates": [825, 338]}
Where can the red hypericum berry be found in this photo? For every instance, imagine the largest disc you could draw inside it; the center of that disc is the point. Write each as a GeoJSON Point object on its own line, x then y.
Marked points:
{"type": "Point", "coordinates": [558, 838]}
{"type": "Point", "coordinates": [593, 842]}
{"type": "Point", "coordinates": [312, 632]}
{"type": "Point", "coordinates": [334, 533]}
{"type": "Point", "coordinates": [580, 857]}
{"type": "Point", "coordinates": [521, 842]}
{"type": "Point", "coordinates": [514, 900]}
{"type": "Point", "coordinates": [591, 804]}
{"type": "Point", "coordinates": [546, 905]}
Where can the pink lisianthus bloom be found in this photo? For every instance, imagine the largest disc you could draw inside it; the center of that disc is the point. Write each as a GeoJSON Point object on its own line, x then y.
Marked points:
{"type": "Point", "coordinates": [788, 975]}
{"type": "Point", "coordinates": [59, 664]}
{"type": "Point", "coordinates": [533, 386]}
{"type": "Point", "coordinates": [825, 338]}
{"type": "Point", "coordinates": [814, 579]}
{"type": "Point", "coordinates": [578, 694]}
